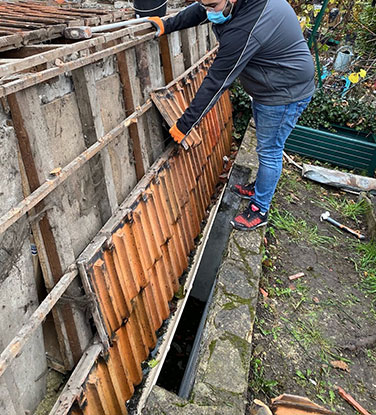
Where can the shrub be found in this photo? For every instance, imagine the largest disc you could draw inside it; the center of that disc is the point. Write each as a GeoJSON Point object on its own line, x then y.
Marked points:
{"type": "Point", "coordinates": [242, 109]}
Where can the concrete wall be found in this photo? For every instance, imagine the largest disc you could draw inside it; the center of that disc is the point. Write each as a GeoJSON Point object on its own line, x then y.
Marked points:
{"type": "Point", "coordinates": [23, 384]}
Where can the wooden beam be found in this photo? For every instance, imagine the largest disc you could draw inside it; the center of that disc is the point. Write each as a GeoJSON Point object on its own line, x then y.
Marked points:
{"type": "Point", "coordinates": [166, 59]}
{"type": "Point", "coordinates": [39, 77]}
{"type": "Point", "coordinates": [73, 387]}
{"type": "Point", "coordinates": [51, 55]}
{"type": "Point", "coordinates": [47, 247]}
{"type": "Point", "coordinates": [15, 347]}
{"type": "Point", "coordinates": [129, 103]}
{"type": "Point", "coordinates": [47, 187]}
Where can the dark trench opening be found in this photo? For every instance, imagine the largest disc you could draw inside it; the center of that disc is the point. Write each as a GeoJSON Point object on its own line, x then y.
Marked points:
{"type": "Point", "coordinates": [179, 369]}
{"type": "Point", "coordinates": [177, 358]}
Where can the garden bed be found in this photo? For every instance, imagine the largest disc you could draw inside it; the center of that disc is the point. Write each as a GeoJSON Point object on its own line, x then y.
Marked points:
{"type": "Point", "coordinates": [347, 148]}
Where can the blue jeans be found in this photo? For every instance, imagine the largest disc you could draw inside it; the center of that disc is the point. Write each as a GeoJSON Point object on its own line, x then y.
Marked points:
{"type": "Point", "coordinates": [273, 125]}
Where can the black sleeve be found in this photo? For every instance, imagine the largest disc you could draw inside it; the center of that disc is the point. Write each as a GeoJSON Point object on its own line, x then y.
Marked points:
{"type": "Point", "coordinates": [236, 48]}
{"type": "Point", "coordinates": [191, 16]}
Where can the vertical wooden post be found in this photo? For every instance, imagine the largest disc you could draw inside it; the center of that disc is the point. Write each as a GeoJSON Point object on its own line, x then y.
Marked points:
{"type": "Point", "coordinates": [28, 120]}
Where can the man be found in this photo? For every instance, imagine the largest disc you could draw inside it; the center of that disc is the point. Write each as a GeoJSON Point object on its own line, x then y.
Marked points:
{"type": "Point", "coordinates": [260, 41]}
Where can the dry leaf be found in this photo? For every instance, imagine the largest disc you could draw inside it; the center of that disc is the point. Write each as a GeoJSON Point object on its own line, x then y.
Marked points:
{"type": "Point", "coordinates": [339, 364]}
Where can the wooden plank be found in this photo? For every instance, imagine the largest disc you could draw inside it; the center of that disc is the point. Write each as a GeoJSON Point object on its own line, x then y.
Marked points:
{"type": "Point", "coordinates": [37, 78]}
{"type": "Point", "coordinates": [155, 80]}
{"type": "Point", "coordinates": [128, 95]}
{"type": "Point", "coordinates": [15, 347]}
{"type": "Point", "coordinates": [47, 187]}
{"type": "Point", "coordinates": [150, 75]}
{"type": "Point", "coordinates": [50, 56]}
{"type": "Point", "coordinates": [90, 115]}
{"type": "Point", "coordinates": [51, 266]}
{"type": "Point", "coordinates": [30, 50]}
{"type": "Point", "coordinates": [98, 319]}
{"type": "Point", "coordinates": [166, 59]}
{"type": "Point", "coordinates": [73, 387]}
{"type": "Point", "coordinates": [17, 40]}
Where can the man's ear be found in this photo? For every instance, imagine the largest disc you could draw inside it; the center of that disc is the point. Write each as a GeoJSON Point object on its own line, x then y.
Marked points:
{"type": "Point", "coordinates": [233, 1]}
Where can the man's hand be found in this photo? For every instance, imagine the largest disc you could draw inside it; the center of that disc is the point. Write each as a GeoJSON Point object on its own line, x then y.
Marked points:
{"type": "Point", "coordinates": [176, 134]}
{"type": "Point", "coordinates": [157, 22]}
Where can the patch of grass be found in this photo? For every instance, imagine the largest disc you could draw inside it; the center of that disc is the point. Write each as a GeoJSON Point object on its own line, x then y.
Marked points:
{"type": "Point", "coordinates": [298, 228]}
{"type": "Point", "coordinates": [366, 264]}
{"type": "Point", "coordinates": [348, 208]}
{"type": "Point", "coordinates": [258, 383]}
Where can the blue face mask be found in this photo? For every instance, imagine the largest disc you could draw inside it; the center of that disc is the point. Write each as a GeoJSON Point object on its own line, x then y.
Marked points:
{"type": "Point", "coordinates": [218, 17]}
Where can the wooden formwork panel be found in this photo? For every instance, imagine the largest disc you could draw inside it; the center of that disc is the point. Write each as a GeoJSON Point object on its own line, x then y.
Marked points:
{"type": "Point", "coordinates": [133, 266]}
{"type": "Point", "coordinates": [23, 22]}
{"type": "Point", "coordinates": [86, 131]}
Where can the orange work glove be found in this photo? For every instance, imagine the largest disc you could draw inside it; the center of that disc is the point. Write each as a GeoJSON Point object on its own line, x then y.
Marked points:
{"type": "Point", "coordinates": [176, 134]}
{"type": "Point", "coordinates": [157, 22]}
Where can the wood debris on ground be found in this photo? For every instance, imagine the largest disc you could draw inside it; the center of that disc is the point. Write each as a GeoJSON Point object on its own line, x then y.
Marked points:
{"type": "Point", "coordinates": [348, 398]}
{"type": "Point", "coordinates": [297, 405]}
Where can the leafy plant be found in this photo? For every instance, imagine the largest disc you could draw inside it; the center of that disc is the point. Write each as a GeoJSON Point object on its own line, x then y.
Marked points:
{"type": "Point", "coordinates": [366, 30]}
{"type": "Point", "coordinates": [258, 383]}
{"type": "Point", "coordinates": [327, 109]}
{"type": "Point", "coordinates": [242, 109]}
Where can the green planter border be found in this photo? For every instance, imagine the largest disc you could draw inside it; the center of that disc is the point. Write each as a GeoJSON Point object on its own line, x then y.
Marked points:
{"type": "Point", "coordinates": [347, 150]}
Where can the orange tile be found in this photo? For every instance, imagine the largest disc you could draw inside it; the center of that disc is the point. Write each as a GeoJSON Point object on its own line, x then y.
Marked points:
{"type": "Point", "coordinates": [140, 350]}
{"type": "Point", "coordinates": [135, 258]}
{"type": "Point", "coordinates": [119, 291]}
{"type": "Point", "coordinates": [92, 404]}
{"type": "Point", "coordinates": [122, 262]}
{"type": "Point", "coordinates": [141, 216]}
{"type": "Point", "coordinates": [106, 304]}
{"type": "Point", "coordinates": [106, 391]}
{"type": "Point", "coordinates": [151, 305]}
{"type": "Point", "coordinates": [121, 382]}
{"type": "Point", "coordinates": [128, 356]}
{"type": "Point", "coordinates": [144, 321]}
{"type": "Point", "coordinates": [160, 294]}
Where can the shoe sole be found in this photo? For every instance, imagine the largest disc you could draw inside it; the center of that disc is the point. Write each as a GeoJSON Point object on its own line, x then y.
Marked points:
{"type": "Point", "coordinates": [240, 228]}
{"type": "Point", "coordinates": [240, 195]}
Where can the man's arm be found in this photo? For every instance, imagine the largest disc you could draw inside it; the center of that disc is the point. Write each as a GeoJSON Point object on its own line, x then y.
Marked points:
{"type": "Point", "coordinates": [191, 16]}
{"type": "Point", "coordinates": [235, 51]}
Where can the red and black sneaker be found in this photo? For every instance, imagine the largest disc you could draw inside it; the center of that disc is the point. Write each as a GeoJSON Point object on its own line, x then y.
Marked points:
{"type": "Point", "coordinates": [245, 191]}
{"type": "Point", "coordinates": [250, 219]}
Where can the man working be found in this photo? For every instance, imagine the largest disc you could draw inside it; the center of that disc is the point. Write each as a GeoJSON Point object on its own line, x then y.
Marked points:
{"type": "Point", "coordinates": [260, 41]}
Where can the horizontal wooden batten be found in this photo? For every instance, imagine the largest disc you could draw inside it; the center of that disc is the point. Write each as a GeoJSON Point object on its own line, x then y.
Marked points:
{"type": "Point", "coordinates": [35, 21]}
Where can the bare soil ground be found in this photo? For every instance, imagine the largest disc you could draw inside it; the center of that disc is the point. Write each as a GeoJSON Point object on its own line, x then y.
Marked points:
{"type": "Point", "coordinates": [302, 326]}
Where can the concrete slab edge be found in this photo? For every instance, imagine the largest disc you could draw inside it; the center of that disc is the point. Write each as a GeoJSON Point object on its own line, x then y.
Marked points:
{"type": "Point", "coordinates": [221, 381]}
